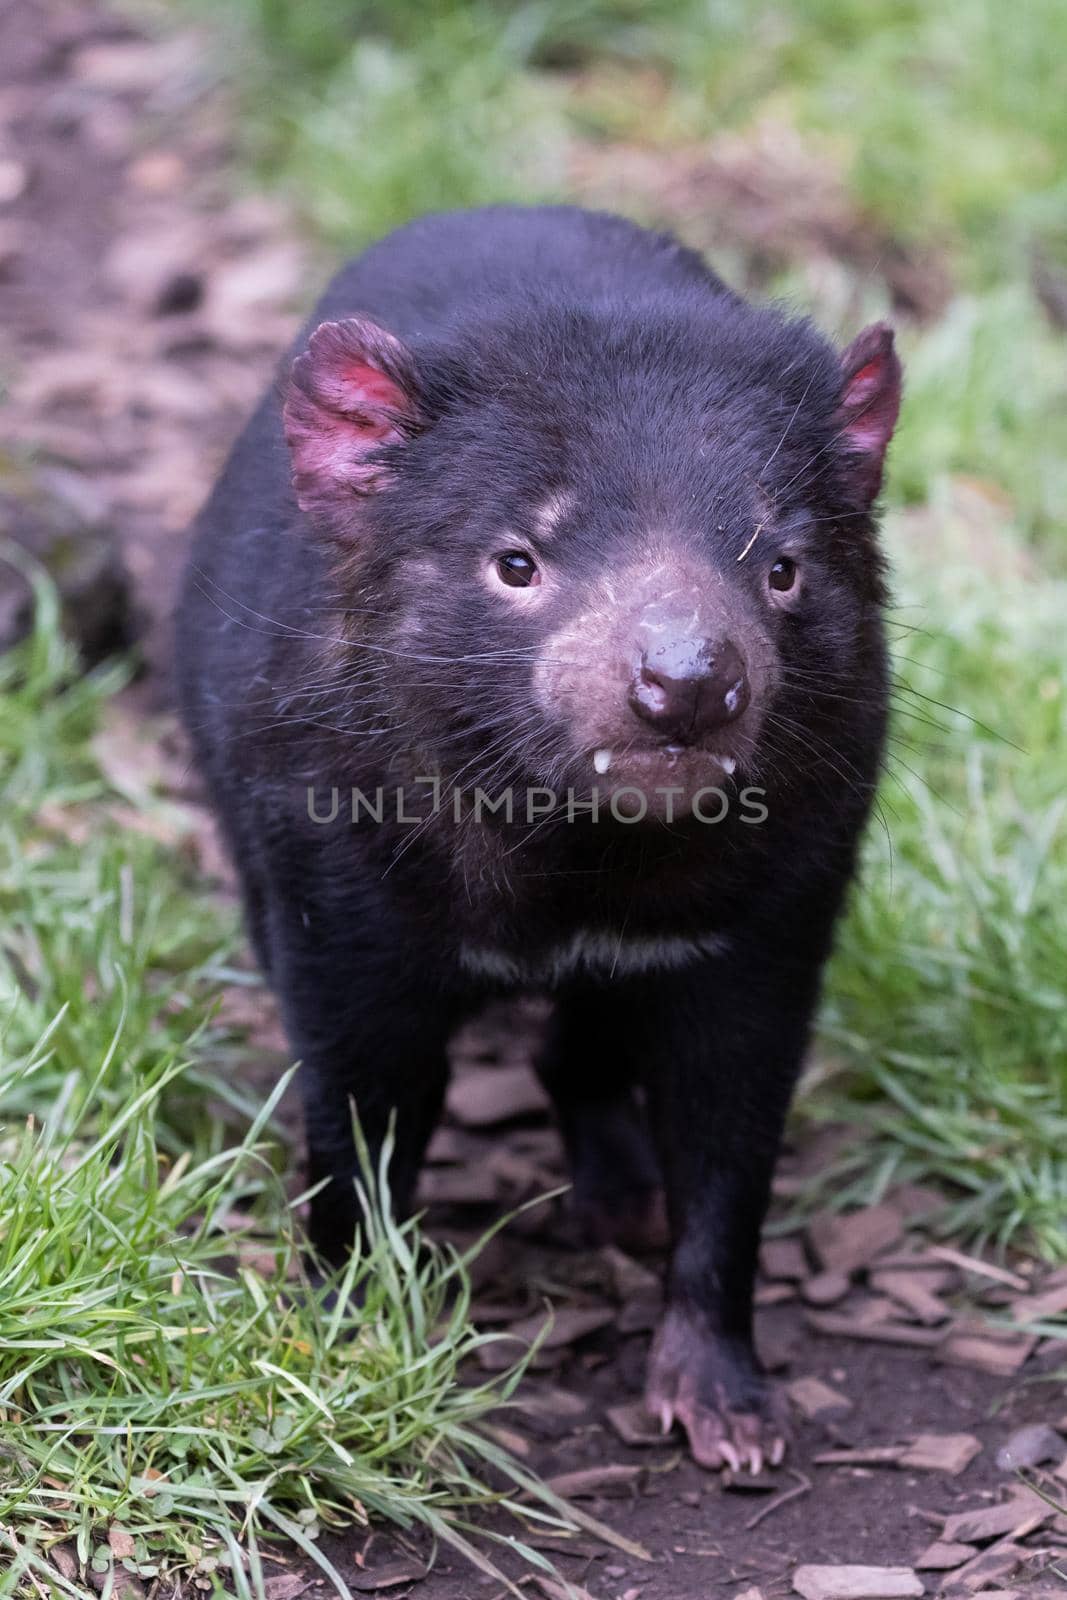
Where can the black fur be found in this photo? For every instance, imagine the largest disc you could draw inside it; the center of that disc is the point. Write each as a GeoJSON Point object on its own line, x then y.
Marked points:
{"type": "Point", "coordinates": [554, 350]}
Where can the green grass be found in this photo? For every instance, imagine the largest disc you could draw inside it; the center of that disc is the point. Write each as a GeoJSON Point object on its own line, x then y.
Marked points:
{"type": "Point", "coordinates": [173, 1392]}
{"type": "Point", "coordinates": [946, 998]}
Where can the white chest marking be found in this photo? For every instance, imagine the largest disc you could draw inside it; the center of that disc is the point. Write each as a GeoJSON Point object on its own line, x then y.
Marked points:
{"type": "Point", "coordinates": [604, 955]}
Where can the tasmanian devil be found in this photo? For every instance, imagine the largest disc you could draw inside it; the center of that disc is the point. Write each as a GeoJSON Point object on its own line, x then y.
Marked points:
{"type": "Point", "coordinates": [532, 640]}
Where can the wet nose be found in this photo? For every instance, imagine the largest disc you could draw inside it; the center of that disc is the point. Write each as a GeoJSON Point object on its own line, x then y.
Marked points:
{"type": "Point", "coordinates": [689, 689]}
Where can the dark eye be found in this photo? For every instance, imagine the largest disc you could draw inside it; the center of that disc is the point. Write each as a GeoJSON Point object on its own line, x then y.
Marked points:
{"type": "Point", "coordinates": [783, 575]}
{"type": "Point", "coordinates": [517, 569]}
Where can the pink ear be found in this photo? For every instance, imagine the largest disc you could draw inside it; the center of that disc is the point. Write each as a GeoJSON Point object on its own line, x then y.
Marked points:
{"type": "Point", "coordinates": [351, 392]}
{"type": "Point", "coordinates": [870, 401]}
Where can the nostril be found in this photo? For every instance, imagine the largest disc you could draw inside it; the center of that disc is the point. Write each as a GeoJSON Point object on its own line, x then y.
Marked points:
{"type": "Point", "coordinates": [725, 692]}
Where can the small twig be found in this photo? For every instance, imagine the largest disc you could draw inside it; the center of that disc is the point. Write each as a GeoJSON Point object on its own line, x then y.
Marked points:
{"type": "Point", "coordinates": [802, 1486]}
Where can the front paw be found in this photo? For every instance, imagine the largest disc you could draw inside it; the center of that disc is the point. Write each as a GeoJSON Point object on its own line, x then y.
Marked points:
{"type": "Point", "coordinates": [712, 1386]}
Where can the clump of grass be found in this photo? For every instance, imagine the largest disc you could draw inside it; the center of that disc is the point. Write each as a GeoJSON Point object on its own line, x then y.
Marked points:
{"type": "Point", "coordinates": [946, 995]}
{"type": "Point", "coordinates": [170, 1385]}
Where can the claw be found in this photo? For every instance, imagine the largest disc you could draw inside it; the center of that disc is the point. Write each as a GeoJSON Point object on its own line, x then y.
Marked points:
{"type": "Point", "coordinates": [699, 1381]}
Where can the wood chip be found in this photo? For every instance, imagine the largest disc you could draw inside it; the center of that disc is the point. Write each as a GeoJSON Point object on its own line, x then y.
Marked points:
{"type": "Point", "coordinates": [750, 1594]}
{"type": "Point", "coordinates": [909, 1291]}
{"type": "Point", "coordinates": [1041, 1307]}
{"type": "Point", "coordinates": [1001, 1357]}
{"type": "Point", "coordinates": [942, 1452]}
{"type": "Point", "coordinates": [993, 1522]}
{"type": "Point", "coordinates": [856, 1583]}
{"type": "Point", "coordinates": [988, 1568]}
{"type": "Point", "coordinates": [983, 1269]}
{"type": "Point", "coordinates": [548, 1404]}
{"type": "Point", "coordinates": [494, 1313]}
{"type": "Point", "coordinates": [633, 1424]}
{"type": "Point", "coordinates": [449, 1146]}
{"type": "Point", "coordinates": [774, 1294]}
{"type": "Point", "coordinates": [841, 1325]}
{"type": "Point", "coordinates": [783, 1259]}
{"type": "Point", "coordinates": [630, 1278]}
{"type": "Point", "coordinates": [483, 1096]}
{"type": "Point", "coordinates": [873, 1311]}
{"type": "Point", "coordinates": [590, 1481]}
{"type": "Point", "coordinates": [564, 1326]}
{"type": "Point", "coordinates": [942, 1556]}
{"type": "Point", "coordinates": [816, 1400]}
{"type": "Point", "coordinates": [1031, 1447]}
{"type": "Point", "coordinates": [847, 1243]}
{"type": "Point", "coordinates": [457, 1186]}
{"type": "Point", "coordinates": [639, 1316]}
{"type": "Point", "coordinates": [825, 1288]}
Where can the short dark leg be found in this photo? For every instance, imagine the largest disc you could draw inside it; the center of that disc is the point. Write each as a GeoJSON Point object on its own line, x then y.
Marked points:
{"type": "Point", "coordinates": [369, 1032]}
{"type": "Point", "coordinates": [724, 1047]}
{"type": "Point", "coordinates": [590, 1069]}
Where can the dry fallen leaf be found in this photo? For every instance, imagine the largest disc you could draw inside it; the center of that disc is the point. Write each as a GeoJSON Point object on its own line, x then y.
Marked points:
{"type": "Point", "coordinates": [816, 1400]}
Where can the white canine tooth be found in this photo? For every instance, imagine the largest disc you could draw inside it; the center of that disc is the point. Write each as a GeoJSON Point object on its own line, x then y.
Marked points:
{"type": "Point", "coordinates": [602, 761]}
{"type": "Point", "coordinates": [728, 765]}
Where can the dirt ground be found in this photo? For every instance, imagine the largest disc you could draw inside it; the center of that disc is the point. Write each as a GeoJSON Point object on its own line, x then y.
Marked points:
{"type": "Point", "coordinates": [144, 301]}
